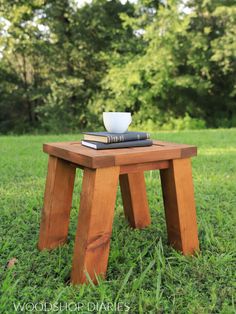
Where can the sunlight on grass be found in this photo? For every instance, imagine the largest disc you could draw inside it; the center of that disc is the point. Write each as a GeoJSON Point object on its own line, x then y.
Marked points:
{"type": "Point", "coordinates": [218, 151]}
{"type": "Point", "coordinates": [143, 270]}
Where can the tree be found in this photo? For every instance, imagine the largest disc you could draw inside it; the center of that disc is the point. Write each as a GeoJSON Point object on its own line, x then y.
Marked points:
{"type": "Point", "coordinates": [61, 65]}
{"type": "Point", "coordinates": [22, 66]}
{"type": "Point", "coordinates": [188, 67]}
{"type": "Point", "coordinates": [58, 54]}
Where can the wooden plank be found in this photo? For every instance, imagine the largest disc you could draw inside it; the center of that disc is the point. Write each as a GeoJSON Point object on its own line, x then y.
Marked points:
{"type": "Point", "coordinates": [92, 242]}
{"type": "Point", "coordinates": [144, 167]}
{"type": "Point", "coordinates": [57, 204]}
{"type": "Point", "coordinates": [133, 191]}
{"type": "Point", "coordinates": [141, 157]}
{"type": "Point", "coordinates": [188, 152]}
{"type": "Point", "coordinates": [178, 195]}
{"type": "Point", "coordinates": [66, 152]}
{"type": "Point", "coordinates": [78, 154]}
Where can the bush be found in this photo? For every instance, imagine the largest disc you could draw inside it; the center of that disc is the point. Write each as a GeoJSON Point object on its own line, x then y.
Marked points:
{"type": "Point", "coordinates": [186, 123]}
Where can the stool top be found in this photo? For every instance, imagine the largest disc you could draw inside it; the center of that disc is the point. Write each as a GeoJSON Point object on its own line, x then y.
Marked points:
{"type": "Point", "coordinates": [76, 153]}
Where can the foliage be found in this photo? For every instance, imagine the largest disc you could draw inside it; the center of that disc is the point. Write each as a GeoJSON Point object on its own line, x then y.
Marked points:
{"type": "Point", "coordinates": [53, 60]}
{"type": "Point", "coordinates": [188, 67]}
{"type": "Point", "coordinates": [143, 270]}
{"type": "Point", "coordinates": [185, 123]}
{"type": "Point", "coordinates": [62, 65]}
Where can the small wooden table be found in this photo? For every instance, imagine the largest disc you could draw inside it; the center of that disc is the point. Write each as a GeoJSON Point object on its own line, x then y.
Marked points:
{"type": "Point", "coordinates": [102, 170]}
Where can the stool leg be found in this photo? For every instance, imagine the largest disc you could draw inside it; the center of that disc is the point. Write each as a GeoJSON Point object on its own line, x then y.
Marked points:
{"type": "Point", "coordinates": [57, 204]}
{"type": "Point", "coordinates": [180, 212]}
{"type": "Point", "coordinates": [133, 191]}
{"type": "Point", "coordinates": [92, 242]}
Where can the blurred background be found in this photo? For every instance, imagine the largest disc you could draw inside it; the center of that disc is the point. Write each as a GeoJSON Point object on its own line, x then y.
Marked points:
{"type": "Point", "coordinates": [172, 64]}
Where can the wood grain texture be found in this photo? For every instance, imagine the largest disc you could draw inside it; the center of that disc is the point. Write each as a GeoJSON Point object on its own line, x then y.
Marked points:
{"type": "Point", "coordinates": [178, 195]}
{"type": "Point", "coordinates": [87, 157]}
{"type": "Point", "coordinates": [57, 204]}
{"type": "Point", "coordinates": [144, 166]}
{"type": "Point", "coordinates": [92, 242]}
{"type": "Point", "coordinates": [133, 191]}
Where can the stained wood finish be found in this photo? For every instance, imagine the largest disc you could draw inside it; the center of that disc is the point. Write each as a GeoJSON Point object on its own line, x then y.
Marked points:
{"type": "Point", "coordinates": [92, 242]}
{"type": "Point", "coordinates": [133, 191]}
{"type": "Point", "coordinates": [57, 204]}
{"type": "Point", "coordinates": [144, 167]}
{"type": "Point", "coordinates": [178, 194]}
{"type": "Point", "coordinates": [102, 170]}
{"type": "Point", "coordinates": [138, 167]}
{"type": "Point", "coordinates": [91, 158]}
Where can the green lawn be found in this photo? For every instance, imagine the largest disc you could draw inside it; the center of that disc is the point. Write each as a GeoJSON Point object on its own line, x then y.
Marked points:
{"type": "Point", "coordinates": [143, 273]}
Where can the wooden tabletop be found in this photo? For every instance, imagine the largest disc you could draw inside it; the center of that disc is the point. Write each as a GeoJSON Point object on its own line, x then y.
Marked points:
{"type": "Point", "coordinates": [91, 158]}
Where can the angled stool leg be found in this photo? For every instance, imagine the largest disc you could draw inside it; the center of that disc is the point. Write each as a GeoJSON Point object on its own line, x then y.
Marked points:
{"type": "Point", "coordinates": [133, 191]}
{"type": "Point", "coordinates": [57, 204]}
{"type": "Point", "coordinates": [180, 212]}
{"type": "Point", "coordinates": [92, 242]}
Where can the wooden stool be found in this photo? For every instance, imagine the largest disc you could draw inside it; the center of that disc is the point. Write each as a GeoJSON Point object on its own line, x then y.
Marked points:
{"type": "Point", "coordinates": [101, 172]}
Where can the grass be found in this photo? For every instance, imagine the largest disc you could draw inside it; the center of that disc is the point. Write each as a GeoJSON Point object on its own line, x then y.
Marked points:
{"type": "Point", "coordinates": [144, 273]}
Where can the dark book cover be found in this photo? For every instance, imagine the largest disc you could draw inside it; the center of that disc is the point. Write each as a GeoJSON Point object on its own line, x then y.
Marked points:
{"type": "Point", "coordinates": [97, 145]}
{"type": "Point", "coordinates": [106, 137]}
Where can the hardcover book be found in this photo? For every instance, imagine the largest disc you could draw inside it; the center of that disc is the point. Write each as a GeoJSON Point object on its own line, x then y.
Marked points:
{"type": "Point", "coordinates": [106, 137]}
{"type": "Point", "coordinates": [98, 145]}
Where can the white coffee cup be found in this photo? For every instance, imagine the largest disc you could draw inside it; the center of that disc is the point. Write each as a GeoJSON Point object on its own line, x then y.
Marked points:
{"type": "Point", "coordinates": [117, 122]}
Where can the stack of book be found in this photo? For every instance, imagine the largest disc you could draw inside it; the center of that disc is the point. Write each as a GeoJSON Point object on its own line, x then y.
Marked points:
{"type": "Point", "coordinates": [106, 140]}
